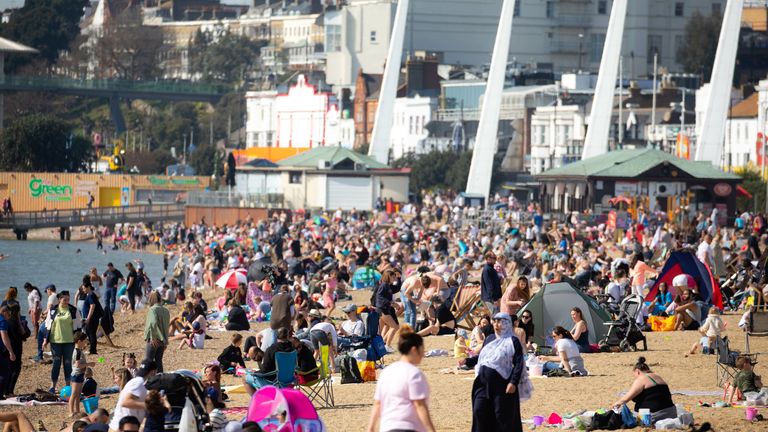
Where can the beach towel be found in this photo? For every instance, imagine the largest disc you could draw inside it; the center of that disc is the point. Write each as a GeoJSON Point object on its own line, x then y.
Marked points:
{"type": "Point", "coordinates": [662, 324]}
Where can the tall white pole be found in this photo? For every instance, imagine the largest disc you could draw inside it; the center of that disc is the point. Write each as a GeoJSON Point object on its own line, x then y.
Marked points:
{"type": "Point", "coordinates": [479, 181]}
{"type": "Point", "coordinates": [709, 143]}
{"type": "Point", "coordinates": [385, 112]}
{"type": "Point", "coordinates": [652, 135]}
{"type": "Point", "coordinates": [596, 141]}
{"type": "Point", "coordinates": [621, 101]}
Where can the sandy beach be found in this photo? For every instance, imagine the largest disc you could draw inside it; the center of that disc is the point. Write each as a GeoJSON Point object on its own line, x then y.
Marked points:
{"type": "Point", "coordinates": [450, 402]}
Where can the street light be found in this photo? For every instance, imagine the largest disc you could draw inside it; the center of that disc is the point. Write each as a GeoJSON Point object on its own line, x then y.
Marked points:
{"type": "Point", "coordinates": [581, 40]}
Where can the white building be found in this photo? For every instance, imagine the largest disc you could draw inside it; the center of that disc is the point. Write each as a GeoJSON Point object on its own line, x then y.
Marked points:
{"type": "Point", "coordinates": [560, 35]}
{"type": "Point", "coordinates": [557, 136]}
{"type": "Point", "coordinates": [409, 126]}
{"type": "Point", "coordinates": [741, 129]}
{"type": "Point", "coordinates": [261, 122]}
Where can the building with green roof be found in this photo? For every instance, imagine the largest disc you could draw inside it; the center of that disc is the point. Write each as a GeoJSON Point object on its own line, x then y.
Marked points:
{"type": "Point", "coordinates": [326, 178]}
{"type": "Point", "coordinates": [656, 177]}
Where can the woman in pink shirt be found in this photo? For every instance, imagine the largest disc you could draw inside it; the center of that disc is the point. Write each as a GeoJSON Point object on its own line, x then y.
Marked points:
{"type": "Point", "coordinates": [638, 271]}
{"type": "Point", "coordinates": [402, 392]}
{"type": "Point", "coordinates": [515, 297]}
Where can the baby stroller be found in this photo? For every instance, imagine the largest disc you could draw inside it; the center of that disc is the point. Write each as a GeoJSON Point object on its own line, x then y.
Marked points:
{"type": "Point", "coordinates": [625, 332]}
{"type": "Point", "coordinates": [284, 410]}
{"type": "Point", "coordinates": [184, 391]}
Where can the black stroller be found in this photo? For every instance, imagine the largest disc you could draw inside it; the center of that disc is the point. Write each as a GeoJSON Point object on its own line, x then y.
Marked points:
{"type": "Point", "coordinates": [178, 387]}
{"type": "Point", "coordinates": [625, 333]}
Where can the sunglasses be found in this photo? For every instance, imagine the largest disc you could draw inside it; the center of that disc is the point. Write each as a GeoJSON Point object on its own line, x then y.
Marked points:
{"type": "Point", "coordinates": [525, 317]}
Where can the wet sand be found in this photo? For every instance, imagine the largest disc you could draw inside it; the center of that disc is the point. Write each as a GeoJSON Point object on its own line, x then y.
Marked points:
{"type": "Point", "coordinates": [450, 403]}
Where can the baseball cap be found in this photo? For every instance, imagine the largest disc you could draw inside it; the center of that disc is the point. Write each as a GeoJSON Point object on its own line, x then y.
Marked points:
{"type": "Point", "coordinates": [349, 308]}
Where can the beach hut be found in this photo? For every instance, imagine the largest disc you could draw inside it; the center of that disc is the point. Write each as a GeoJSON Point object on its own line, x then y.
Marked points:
{"type": "Point", "coordinates": [551, 307]}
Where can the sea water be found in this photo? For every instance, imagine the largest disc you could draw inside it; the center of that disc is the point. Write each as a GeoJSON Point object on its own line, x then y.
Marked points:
{"type": "Point", "coordinates": [50, 262]}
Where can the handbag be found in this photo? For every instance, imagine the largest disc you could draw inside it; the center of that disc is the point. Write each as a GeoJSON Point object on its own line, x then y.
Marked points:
{"type": "Point", "coordinates": [628, 417]}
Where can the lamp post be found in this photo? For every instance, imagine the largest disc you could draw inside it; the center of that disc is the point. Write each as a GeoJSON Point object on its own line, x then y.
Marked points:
{"type": "Point", "coordinates": [581, 43]}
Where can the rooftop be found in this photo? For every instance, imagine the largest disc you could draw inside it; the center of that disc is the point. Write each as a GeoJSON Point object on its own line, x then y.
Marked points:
{"type": "Point", "coordinates": [334, 155]}
{"type": "Point", "coordinates": [633, 163]}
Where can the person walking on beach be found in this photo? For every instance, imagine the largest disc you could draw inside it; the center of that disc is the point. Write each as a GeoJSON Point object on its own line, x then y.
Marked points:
{"type": "Point", "coordinates": [64, 320]}
{"type": "Point", "coordinates": [402, 391]}
{"type": "Point", "coordinates": [92, 311]}
{"type": "Point", "coordinates": [6, 352]}
{"type": "Point", "coordinates": [133, 285]}
{"type": "Point", "coordinates": [490, 284]}
{"type": "Point", "coordinates": [112, 277]}
{"type": "Point", "coordinates": [495, 396]}
{"type": "Point", "coordinates": [156, 330]}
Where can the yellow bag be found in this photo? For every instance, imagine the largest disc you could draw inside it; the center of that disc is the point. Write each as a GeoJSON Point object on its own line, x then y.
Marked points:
{"type": "Point", "coordinates": [367, 370]}
{"type": "Point", "coordinates": [662, 324]}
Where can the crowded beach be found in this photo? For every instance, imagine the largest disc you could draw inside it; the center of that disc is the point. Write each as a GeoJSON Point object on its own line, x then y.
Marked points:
{"type": "Point", "coordinates": [427, 319]}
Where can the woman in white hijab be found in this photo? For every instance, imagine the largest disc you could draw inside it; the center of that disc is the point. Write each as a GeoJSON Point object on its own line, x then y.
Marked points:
{"type": "Point", "coordinates": [498, 375]}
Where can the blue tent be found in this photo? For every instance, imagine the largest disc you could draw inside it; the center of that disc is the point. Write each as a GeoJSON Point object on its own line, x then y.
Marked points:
{"type": "Point", "coordinates": [365, 277]}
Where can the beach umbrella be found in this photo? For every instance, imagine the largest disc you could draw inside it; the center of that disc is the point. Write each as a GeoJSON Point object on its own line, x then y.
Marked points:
{"type": "Point", "coordinates": [319, 220]}
{"type": "Point", "coordinates": [256, 271]}
{"type": "Point", "coordinates": [232, 279]}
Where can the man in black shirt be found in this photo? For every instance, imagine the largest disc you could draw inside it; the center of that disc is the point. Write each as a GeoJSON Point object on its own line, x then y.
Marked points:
{"type": "Point", "coordinates": [265, 376]}
{"type": "Point", "coordinates": [133, 289]}
{"type": "Point", "coordinates": [443, 321]}
{"type": "Point", "coordinates": [112, 278]}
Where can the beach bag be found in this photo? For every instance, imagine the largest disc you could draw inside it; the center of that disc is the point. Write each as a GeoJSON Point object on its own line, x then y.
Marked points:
{"type": "Point", "coordinates": [628, 417]}
{"type": "Point", "coordinates": [367, 370]}
{"type": "Point", "coordinates": [377, 349]}
{"type": "Point", "coordinates": [609, 420]}
{"type": "Point", "coordinates": [350, 373]}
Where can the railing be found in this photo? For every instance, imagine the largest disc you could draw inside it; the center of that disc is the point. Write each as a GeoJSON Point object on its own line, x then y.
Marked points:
{"type": "Point", "coordinates": [233, 199]}
{"type": "Point", "coordinates": [51, 82]}
{"type": "Point", "coordinates": [92, 216]}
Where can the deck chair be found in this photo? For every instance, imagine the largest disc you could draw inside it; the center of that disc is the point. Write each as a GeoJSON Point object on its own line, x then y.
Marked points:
{"type": "Point", "coordinates": [285, 373]}
{"type": "Point", "coordinates": [465, 302]}
{"type": "Point", "coordinates": [320, 389]}
{"type": "Point", "coordinates": [757, 324]}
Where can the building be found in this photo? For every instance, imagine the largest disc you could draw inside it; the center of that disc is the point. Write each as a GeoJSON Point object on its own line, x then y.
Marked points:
{"type": "Point", "coordinates": [326, 178]}
{"type": "Point", "coordinates": [557, 136]}
{"type": "Point", "coordinates": [60, 191]}
{"type": "Point", "coordinates": [562, 36]}
{"type": "Point", "coordinates": [302, 115]}
{"type": "Point", "coordinates": [654, 178]}
{"type": "Point", "coordinates": [261, 121]}
{"type": "Point", "coordinates": [409, 127]}
{"type": "Point", "coordinates": [742, 143]}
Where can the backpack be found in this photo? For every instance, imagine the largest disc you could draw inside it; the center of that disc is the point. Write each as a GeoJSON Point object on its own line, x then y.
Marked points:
{"type": "Point", "coordinates": [350, 373]}
{"type": "Point", "coordinates": [609, 420]}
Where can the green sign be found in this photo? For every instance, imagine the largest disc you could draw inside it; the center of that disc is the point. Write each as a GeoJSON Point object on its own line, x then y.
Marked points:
{"type": "Point", "coordinates": [49, 191]}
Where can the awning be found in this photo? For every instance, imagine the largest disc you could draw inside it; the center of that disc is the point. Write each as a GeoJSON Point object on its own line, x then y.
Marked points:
{"type": "Point", "coordinates": [743, 192]}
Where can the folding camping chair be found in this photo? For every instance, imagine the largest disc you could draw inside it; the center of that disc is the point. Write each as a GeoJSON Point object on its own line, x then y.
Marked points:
{"type": "Point", "coordinates": [725, 361]}
{"type": "Point", "coordinates": [285, 373]}
{"type": "Point", "coordinates": [757, 324]}
{"type": "Point", "coordinates": [320, 389]}
{"type": "Point", "coordinates": [464, 304]}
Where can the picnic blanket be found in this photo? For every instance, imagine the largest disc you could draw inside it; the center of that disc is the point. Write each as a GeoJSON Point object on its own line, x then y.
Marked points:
{"type": "Point", "coordinates": [15, 402]}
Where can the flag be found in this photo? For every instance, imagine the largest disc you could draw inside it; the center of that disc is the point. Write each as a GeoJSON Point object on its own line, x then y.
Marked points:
{"type": "Point", "coordinates": [683, 146]}
{"type": "Point", "coordinates": [760, 149]}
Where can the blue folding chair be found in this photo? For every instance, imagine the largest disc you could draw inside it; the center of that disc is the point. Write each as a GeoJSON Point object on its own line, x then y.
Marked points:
{"type": "Point", "coordinates": [285, 373]}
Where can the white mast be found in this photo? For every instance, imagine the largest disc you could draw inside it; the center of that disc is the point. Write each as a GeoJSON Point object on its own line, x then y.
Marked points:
{"type": "Point", "coordinates": [479, 181]}
{"type": "Point", "coordinates": [596, 142]}
{"type": "Point", "coordinates": [709, 143]}
{"type": "Point", "coordinates": [385, 112]}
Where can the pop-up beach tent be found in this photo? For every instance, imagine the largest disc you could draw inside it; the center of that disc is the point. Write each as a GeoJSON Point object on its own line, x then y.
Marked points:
{"type": "Point", "coordinates": [552, 305]}
{"type": "Point", "coordinates": [685, 262]}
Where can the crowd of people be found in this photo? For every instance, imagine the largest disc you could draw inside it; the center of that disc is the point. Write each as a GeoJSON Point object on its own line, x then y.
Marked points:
{"type": "Point", "coordinates": [416, 263]}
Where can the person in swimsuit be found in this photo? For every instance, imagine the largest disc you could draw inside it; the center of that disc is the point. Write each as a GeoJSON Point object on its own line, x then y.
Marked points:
{"type": "Point", "coordinates": [687, 313]}
{"type": "Point", "coordinates": [580, 331]}
{"type": "Point", "coordinates": [651, 392]}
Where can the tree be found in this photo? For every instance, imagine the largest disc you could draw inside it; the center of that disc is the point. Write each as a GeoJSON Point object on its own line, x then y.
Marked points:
{"type": "Point", "coordinates": [128, 49]}
{"type": "Point", "coordinates": [443, 170]}
{"type": "Point", "coordinates": [207, 160]}
{"type": "Point", "coordinates": [697, 52]}
{"type": "Point", "coordinates": [43, 143]}
{"type": "Point", "coordinates": [46, 25]}
{"type": "Point", "coordinates": [224, 57]}
{"type": "Point", "coordinates": [226, 117]}
{"type": "Point", "coordinates": [755, 185]}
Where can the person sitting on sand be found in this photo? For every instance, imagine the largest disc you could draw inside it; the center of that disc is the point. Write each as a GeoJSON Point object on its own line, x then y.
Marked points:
{"type": "Point", "coordinates": [478, 333]}
{"type": "Point", "coordinates": [649, 391]}
{"type": "Point", "coordinates": [212, 383]}
{"type": "Point", "coordinates": [662, 300]}
{"type": "Point", "coordinates": [237, 319]}
{"type": "Point", "coordinates": [713, 328]}
{"type": "Point", "coordinates": [568, 355]}
{"type": "Point", "coordinates": [687, 312]}
{"type": "Point", "coordinates": [232, 356]}
{"type": "Point", "coordinates": [580, 331]}
{"type": "Point", "coordinates": [442, 321]}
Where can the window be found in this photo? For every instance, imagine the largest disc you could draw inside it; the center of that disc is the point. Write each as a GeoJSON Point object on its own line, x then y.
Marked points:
{"type": "Point", "coordinates": [517, 8]}
{"type": "Point", "coordinates": [373, 36]}
{"type": "Point", "coordinates": [294, 177]}
{"type": "Point", "coordinates": [679, 9]}
{"type": "Point", "coordinates": [333, 38]}
{"type": "Point", "coordinates": [550, 9]}
{"type": "Point", "coordinates": [678, 47]}
{"type": "Point", "coordinates": [596, 42]}
{"type": "Point", "coordinates": [717, 9]}
{"type": "Point", "coordinates": [654, 46]}
{"type": "Point", "coordinates": [602, 7]}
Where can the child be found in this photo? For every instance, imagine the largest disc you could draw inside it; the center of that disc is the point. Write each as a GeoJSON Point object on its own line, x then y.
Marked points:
{"type": "Point", "coordinates": [125, 304]}
{"type": "Point", "coordinates": [79, 363]}
{"type": "Point", "coordinates": [157, 407]}
{"type": "Point", "coordinates": [232, 356]}
{"type": "Point", "coordinates": [460, 345]}
{"type": "Point", "coordinates": [745, 380]}
{"type": "Point", "coordinates": [712, 329]}
{"type": "Point", "coordinates": [129, 362]}
{"type": "Point", "coordinates": [330, 290]}
{"type": "Point", "coordinates": [90, 386]}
